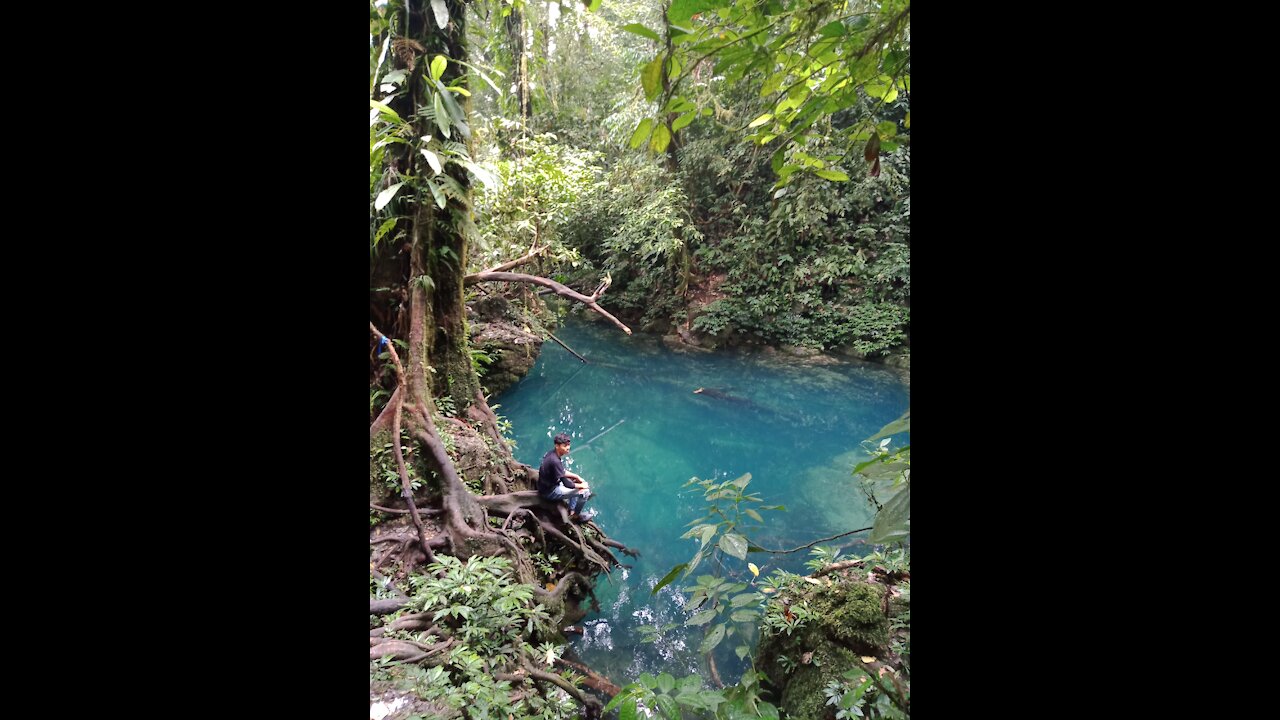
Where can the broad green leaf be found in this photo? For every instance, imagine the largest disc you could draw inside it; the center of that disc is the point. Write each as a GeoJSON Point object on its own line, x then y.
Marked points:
{"type": "Point", "coordinates": [442, 13]}
{"type": "Point", "coordinates": [887, 130]}
{"type": "Point", "coordinates": [438, 65]}
{"type": "Point", "coordinates": [437, 194]}
{"type": "Point", "coordinates": [642, 31]}
{"type": "Point", "coordinates": [701, 618]}
{"type": "Point", "coordinates": [906, 122]}
{"type": "Point", "coordinates": [744, 615]}
{"type": "Point", "coordinates": [385, 196]}
{"type": "Point", "coordinates": [642, 132]}
{"type": "Point", "coordinates": [742, 651]}
{"type": "Point", "coordinates": [712, 640]}
{"type": "Point", "coordinates": [442, 119]}
{"type": "Point", "coordinates": [666, 683]}
{"type": "Point", "coordinates": [684, 120]}
{"type": "Point", "coordinates": [385, 110]}
{"type": "Point", "coordinates": [745, 599]}
{"type": "Point", "coordinates": [481, 174]}
{"type": "Point", "coordinates": [888, 146]}
{"type": "Point", "coordinates": [651, 78]}
{"type": "Point", "coordinates": [648, 680]}
{"type": "Point", "coordinates": [707, 533]}
{"type": "Point", "coordinates": [682, 11]}
{"type": "Point", "coordinates": [668, 578]}
{"type": "Point", "coordinates": [455, 112]}
{"type": "Point", "coordinates": [679, 104]}
{"type": "Point", "coordinates": [593, 6]}
{"type": "Point", "coordinates": [383, 228]}
{"type": "Point", "coordinates": [894, 519]}
{"type": "Point", "coordinates": [834, 175]}
{"type": "Point", "coordinates": [432, 160]}
{"type": "Point", "coordinates": [760, 120]}
{"type": "Point", "coordinates": [767, 711]}
{"type": "Point", "coordinates": [777, 159]}
{"type": "Point", "coordinates": [735, 545]}
{"type": "Point", "coordinates": [667, 705]}
{"type": "Point", "coordinates": [628, 709]}
{"type": "Point", "coordinates": [834, 28]}
{"type": "Point", "coordinates": [661, 139]}
{"type": "Point", "coordinates": [902, 424]}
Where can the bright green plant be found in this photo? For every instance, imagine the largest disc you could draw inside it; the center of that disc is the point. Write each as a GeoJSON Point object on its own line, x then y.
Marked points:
{"type": "Point", "coordinates": [886, 481]}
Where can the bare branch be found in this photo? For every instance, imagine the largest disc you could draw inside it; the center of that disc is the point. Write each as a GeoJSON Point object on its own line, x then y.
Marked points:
{"type": "Point", "coordinates": [561, 290]}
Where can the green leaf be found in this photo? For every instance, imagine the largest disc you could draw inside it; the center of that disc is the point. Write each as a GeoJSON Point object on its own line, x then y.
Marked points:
{"type": "Point", "coordinates": [642, 132]}
{"type": "Point", "coordinates": [647, 680]}
{"type": "Point", "coordinates": [753, 515]}
{"type": "Point", "coordinates": [834, 175]}
{"type": "Point", "coordinates": [383, 228]}
{"type": "Point", "coordinates": [744, 615]}
{"type": "Point", "coordinates": [894, 519]}
{"type": "Point", "coordinates": [651, 78]}
{"type": "Point", "coordinates": [661, 139]}
{"type": "Point", "coordinates": [628, 709]}
{"type": "Point", "coordinates": [742, 651]}
{"type": "Point", "coordinates": [735, 545]}
{"type": "Point", "coordinates": [906, 122]}
{"type": "Point", "coordinates": [887, 129]}
{"type": "Point", "coordinates": [682, 11]}
{"type": "Point", "coordinates": [902, 424]}
{"type": "Point", "coordinates": [701, 618]}
{"type": "Point", "coordinates": [888, 146]}
{"type": "Point", "coordinates": [385, 110]}
{"type": "Point", "coordinates": [442, 13]}
{"type": "Point", "coordinates": [777, 159]}
{"type": "Point", "coordinates": [438, 65]}
{"type": "Point", "coordinates": [455, 112]}
{"type": "Point", "coordinates": [760, 120]}
{"type": "Point", "coordinates": [712, 640]}
{"type": "Point", "coordinates": [684, 119]}
{"type": "Point", "coordinates": [642, 31]}
{"type": "Point", "coordinates": [834, 28]}
{"type": "Point", "coordinates": [438, 195]}
{"type": "Point", "coordinates": [483, 175]}
{"type": "Point", "coordinates": [708, 532]}
{"type": "Point", "coordinates": [385, 196]}
{"type": "Point", "coordinates": [666, 683]}
{"type": "Point", "coordinates": [746, 599]}
{"type": "Point", "coordinates": [593, 6]}
{"type": "Point", "coordinates": [668, 578]}
{"type": "Point", "coordinates": [432, 160]}
{"type": "Point", "coordinates": [442, 119]}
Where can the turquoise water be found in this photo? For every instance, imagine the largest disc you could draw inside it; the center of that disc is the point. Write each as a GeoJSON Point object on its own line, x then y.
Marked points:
{"type": "Point", "coordinates": [640, 432]}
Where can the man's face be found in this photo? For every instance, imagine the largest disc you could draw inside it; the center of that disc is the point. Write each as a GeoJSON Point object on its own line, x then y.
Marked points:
{"type": "Point", "coordinates": [562, 450]}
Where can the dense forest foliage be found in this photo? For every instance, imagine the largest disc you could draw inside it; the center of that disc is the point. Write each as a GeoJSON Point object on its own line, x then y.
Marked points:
{"type": "Point", "coordinates": [720, 172]}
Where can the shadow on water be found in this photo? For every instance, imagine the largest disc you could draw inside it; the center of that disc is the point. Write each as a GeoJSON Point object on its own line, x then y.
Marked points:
{"type": "Point", "coordinates": [641, 432]}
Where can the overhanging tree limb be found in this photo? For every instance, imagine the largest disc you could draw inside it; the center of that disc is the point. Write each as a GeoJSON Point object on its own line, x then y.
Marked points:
{"type": "Point", "coordinates": [561, 290]}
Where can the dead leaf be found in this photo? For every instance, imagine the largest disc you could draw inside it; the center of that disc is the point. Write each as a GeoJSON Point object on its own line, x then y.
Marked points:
{"type": "Point", "coordinates": [868, 658]}
{"type": "Point", "coordinates": [805, 658]}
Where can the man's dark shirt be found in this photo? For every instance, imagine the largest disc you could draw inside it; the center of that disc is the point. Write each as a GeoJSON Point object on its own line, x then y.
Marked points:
{"type": "Point", "coordinates": [552, 470]}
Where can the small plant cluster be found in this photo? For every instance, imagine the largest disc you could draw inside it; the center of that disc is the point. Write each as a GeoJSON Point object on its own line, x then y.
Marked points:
{"type": "Point", "coordinates": [490, 617]}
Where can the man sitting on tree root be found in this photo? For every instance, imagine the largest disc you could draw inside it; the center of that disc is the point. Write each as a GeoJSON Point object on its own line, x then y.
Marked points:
{"type": "Point", "coordinates": [556, 483]}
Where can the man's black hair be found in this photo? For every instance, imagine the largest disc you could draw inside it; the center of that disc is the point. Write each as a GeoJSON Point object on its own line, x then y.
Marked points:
{"type": "Point", "coordinates": [562, 439]}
